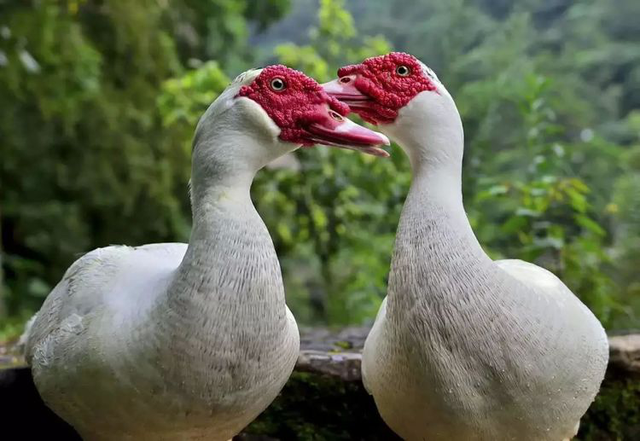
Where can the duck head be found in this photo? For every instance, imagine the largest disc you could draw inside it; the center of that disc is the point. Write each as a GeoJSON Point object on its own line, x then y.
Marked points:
{"type": "Point", "coordinates": [268, 112]}
{"type": "Point", "coordinates": [407, 101]}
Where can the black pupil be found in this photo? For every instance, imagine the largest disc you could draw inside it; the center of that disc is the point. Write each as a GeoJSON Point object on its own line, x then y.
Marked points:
{"type": "Point", "coordinates": [402, 70]}
{"type": "Point", "coordinates": [277, 84]}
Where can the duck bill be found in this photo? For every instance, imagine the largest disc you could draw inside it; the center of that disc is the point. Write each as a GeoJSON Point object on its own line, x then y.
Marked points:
{"type": "Point", "coordinates": [347, 92]}
{"type": "Point", "coordinates": [337, 131]}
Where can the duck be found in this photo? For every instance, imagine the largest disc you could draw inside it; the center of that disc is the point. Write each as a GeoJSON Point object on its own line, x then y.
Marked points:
{"type": "Point", "coordinates": [463, 347]}
{"type": "Point", "coordinates": [177, 341]}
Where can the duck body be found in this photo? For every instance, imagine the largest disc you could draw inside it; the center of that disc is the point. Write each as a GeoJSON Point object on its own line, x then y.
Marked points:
{"type": "Point", "coordinates": [196, 369]}
{"type": "Point", "coordinates": [463, 348]}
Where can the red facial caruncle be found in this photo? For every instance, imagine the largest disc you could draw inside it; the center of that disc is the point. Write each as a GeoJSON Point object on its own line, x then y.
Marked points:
{"type": "Point", "coordinates": [380, 86]}
{"type": "Point", "coordinates": [306, 114]}
{"type": "Point", "coordinates": [287, 96]}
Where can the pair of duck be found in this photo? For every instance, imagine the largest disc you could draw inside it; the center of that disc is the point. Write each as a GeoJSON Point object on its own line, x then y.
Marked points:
{"type": "Point", "coordinates": [192, 342]}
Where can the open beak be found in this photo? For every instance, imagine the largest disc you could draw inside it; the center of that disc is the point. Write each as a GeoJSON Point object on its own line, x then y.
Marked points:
{"type": "Point", "coordinates": [330, 128]}
{"type": "Point", "coordinates": [343, 89]}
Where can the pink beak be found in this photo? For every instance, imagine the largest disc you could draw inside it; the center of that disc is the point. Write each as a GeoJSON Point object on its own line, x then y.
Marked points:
{"type": "Point", "coordinates": [344, 89]}
{"type": "Point", "coordinates": [330, 128]}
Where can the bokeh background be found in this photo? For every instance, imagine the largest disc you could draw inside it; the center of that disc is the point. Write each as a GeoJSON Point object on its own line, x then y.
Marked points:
{"type": "Point", "coordinates": [99, 100]}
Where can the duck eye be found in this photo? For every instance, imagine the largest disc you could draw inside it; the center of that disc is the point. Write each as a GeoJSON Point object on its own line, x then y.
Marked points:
{"type": "Point", "coordinates": [278, 84]}
{"type": "Point", "coordinates": [403, 71]}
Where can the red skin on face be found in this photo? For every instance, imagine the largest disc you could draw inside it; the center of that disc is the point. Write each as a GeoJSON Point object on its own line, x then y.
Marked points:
{"type": "Point", "coordinates": [378, 79]}
{"type": "Point", "coordinates": [301, 103]}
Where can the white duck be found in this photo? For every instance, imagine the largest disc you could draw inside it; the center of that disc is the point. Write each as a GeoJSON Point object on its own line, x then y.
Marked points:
{"type": "Point", "coordinates": [463, 348]}
{"type": "Point", "coordinates": [190, 342]}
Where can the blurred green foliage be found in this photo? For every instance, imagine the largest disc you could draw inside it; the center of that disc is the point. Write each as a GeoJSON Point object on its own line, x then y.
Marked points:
{"type": "Point", "coordinates": [103, 98]}
{"type": "Point", "coordinates": [86, 159]}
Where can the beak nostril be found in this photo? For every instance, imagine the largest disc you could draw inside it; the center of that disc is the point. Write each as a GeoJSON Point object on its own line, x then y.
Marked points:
{"type": "Point", "coordinates": [345, 80]}
{"type": "Point", "coordinates": [335, 115]}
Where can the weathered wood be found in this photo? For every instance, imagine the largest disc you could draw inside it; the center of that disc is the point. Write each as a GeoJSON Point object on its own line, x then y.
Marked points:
{"type": "Point", "coordinates": [624, 353]}
{"type": "Point", "coordinates": [325, 400]}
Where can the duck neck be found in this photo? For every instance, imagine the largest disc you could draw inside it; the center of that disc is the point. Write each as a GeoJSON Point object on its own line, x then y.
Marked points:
{"type": "Point", "coordinates": [219, 200]}
{"type": "Point", "coordinates": [436, 187]}
{"type": "Point", "coordinates": [230, 264]}
{"type": "Point", "coordinates": [436, 252]}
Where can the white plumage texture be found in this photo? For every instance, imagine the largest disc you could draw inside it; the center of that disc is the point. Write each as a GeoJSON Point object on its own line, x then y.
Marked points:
{"type": "Point", "coordinates": [171, 341]}
{"type": "Point", "coordinates": [465, 348]}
